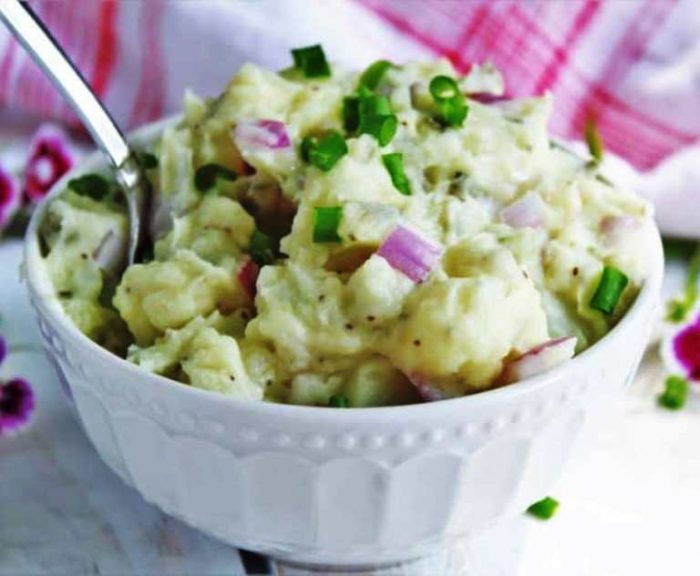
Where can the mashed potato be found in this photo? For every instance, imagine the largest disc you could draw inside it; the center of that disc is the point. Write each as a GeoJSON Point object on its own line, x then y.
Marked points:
{"type": "Point", "coordinates": [326, 237]}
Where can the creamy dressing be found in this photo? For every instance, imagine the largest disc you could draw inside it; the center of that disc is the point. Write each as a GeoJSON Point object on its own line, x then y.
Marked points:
{"type": "Point", "coordinates": [524, 230]}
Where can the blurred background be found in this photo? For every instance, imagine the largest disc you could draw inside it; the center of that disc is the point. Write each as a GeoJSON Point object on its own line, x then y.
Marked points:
{"type": "Point", "coordinates": [630, 499]}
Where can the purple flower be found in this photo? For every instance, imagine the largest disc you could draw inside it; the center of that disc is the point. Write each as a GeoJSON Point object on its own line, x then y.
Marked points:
{"type": "Point", "coordinates": [3, 349]}
{"type": "Point", "coordinates": [686, 349]}
{"type": "Point", "coordinates": [50, 157]}
{"type": "Point", "coordinates": [10, 197]}
{"type": "Point", "coordinates": [16, 404]}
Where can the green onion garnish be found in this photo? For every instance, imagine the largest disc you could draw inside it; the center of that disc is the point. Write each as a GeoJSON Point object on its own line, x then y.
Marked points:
{"type": "Point", "coordinates": [147, 160]}
{"type": "Point", "coordinates": [443, 88]}
{"type": "Point", "coordinates": [373, 105]}
{"type": "Point", "coordinates": [338, 401]}
{"type": "Point", "coordinates": [675, 393]}
{"type": "Point", "coordinates": [594, 141]}
{"type": "Point", "coordinates": [351, 113]}
{"type": "Point", "coordinates": [454, 112]}
{"type": "Point", "coordinates": [91, 185]}
{"type": "Point", "coordinates": [451, 103]}
{"type": "Point", "coordinates": [311, 61]}
{"type": "Point", "coordinates": [394, 164]}
{"type": "Point", "coordinates": [373, 75]}
{"type": "Point", "coordinates": [324, 152]}
{"type": "Point", "coordinates": [544, 509]}
{"type": "Point", "coordinates": [262, 248]}
{"type": "Point", "coordinates": [326, 220]}
{"type": "Point", "coordinates": [376, 118]}
{"type": "Point", "coordinates": [205, 177]}
{"type": "Point", "coordinates": [612, 284]}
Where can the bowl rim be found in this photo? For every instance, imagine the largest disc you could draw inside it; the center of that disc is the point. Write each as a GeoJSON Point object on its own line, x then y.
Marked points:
{"type": "Point", "coordinates": [43, 296]}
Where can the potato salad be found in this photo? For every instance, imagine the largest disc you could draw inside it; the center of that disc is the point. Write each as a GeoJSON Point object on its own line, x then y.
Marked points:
{"type": "Point", "coordinates": [351, 239]}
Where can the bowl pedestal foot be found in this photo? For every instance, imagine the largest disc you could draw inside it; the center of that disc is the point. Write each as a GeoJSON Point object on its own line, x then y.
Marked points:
{"type": "Point", "coordinates": [496, 552]}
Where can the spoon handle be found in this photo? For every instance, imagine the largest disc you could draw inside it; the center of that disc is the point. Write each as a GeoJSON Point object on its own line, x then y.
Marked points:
{"type": "Point", "coordinates": [47, 53]}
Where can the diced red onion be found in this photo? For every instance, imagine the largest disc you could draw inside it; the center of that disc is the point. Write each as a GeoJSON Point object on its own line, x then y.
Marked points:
{"type": "Point", "coordinates": [50, 157]}
{"type": "Point", "coordinates": [261, 134]}
{"type": "Point", "coordinates": [524, 213]}
{"type": "Point", "coordinates": [111, 252]}
{"type": "Point", "coordinates": [10, 197]}
{"type": "Point", "coordinates": [487, 98]}
{"type": "Point", "coordinates": [686, 349]}
{"type": "Point", "coordinates": [410, 253]}
{"type": "Point", "coordinates": [426, 390]}
{"type": "Point", "coordinates": [540, 359]}
{"type": "Point", "coordinates": [248, 276]}
{"type": "Point", "coordinates": [617, 227]}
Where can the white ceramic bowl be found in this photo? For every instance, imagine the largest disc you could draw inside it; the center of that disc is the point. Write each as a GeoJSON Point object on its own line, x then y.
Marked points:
{"type": "Point", "coordinates": [333, 487]}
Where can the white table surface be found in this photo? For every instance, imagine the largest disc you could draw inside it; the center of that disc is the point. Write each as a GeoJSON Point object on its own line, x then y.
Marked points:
{"type": "Point", "coordinates": [630, 497]}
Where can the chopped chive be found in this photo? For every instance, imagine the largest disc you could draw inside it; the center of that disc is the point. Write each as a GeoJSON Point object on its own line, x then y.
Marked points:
{"type": "Point", "coordinates": [450, 102]}
{"type": "Point", "coordinates": [594, 141]}
{"type": "Point", "coordinates": [262, 248]}
{"type": "Point", "coordinates": [394, 164]}
{"type": "Point", "coordinates": [205, 177]}
{"type": "Point", "coordinates": [351, 113]}
{"type": "Point", "coordinates": [612, 284]}
{"type": "Point", "coordinates": [373, 105]}
{"type": "Point", "coordinates": [443, 88]}
{"type": "Point", "coordinates": [675, 393]}
{"type": "Point", "coordinates": [94, 186]}
{"type": "Point", "coordinates": [147, 160]}
{"type": "Point", "coordinates": [326, 220]}
{"type": "Point", "coordinates": [454, 112]}
{"type": "Point", "coordinates": [377, 119]}
{"type": "Point", "coordinates": [311, 61]}
{"type": "Point", "coordinates": [338, 401]}
{"type": "Point", "coordinates": [373, 75]}
{"type": "Point", "coordinates": [324, 152]}
{"type": "Point", "coordinates": [544, 509]}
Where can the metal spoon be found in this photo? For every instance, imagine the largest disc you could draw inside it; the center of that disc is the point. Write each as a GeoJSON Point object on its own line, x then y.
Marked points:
{"type": "Point", "coordinates": [43, 48]}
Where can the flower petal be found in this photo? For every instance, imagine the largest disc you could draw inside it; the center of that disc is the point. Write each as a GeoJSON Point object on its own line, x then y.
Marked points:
{"type": "Point", "coordinates": [16, 404]}
{"type": "Point", "coordinates": [686, 349]}
{"type": "Point", "coordinates": [50, 157]}
{"type": "Point", "coordinates": [3, 349]}
{"type": "Point", "coordinates": [10, 197]}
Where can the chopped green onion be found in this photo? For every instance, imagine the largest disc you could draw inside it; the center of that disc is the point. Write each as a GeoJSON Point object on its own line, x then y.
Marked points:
{"type": "Point", "coordinates": [205, 177]}
{"type": "Point", "coordinates": [373, 105]}
{"type": "Point", "coordinates": [373, 75]}
{"type": "Point", "coordinates": [454, 112]}
{"type": "Point", "coordinates": [326, 220]}
{"type": "Point", "coordinates": [443, 88]}
{"type": "Point", "coordinates": [675, 393]}
{"type": "Point", "coordinates": [338, 401]}
{"type": "Point", "coordinates": [394, 164]}
{"type": "Point", "coordinates": [262, 248]}
{"type": "Point", "coordinates": [324, 152]}
{"type": "Point", "coordinates": [383, 129]}
{"type": "Point", "coordinates": [450, 102]}
{"type": "Point", "coordinates": [594, 141]}
{"type": "Point", "coordinates": [311, 61]}
{"type": "Point", "coordinates": [544, 509]}
{"type": "Point", "coordinates": [376, 118]}
{"type": "Point", "coordinates": [612, 284]}
{"type": "Point", "coordinates": [147, 160]}
{"type": "Point", "coordinates": [91, 185]}
{"type": "Point", "coordinates": [351, 113]}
